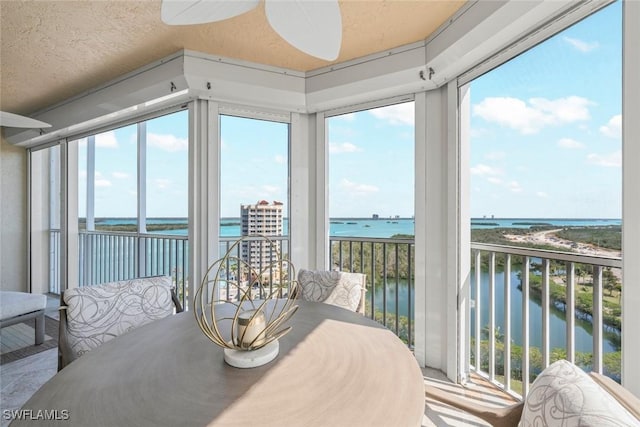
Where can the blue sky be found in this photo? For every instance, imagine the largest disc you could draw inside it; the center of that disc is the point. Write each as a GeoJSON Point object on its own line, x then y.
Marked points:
{"type": "Point", "coordinates": [371, 166]}
{"type": "Point", "coordinates": [545, 142]}
{"type": "Point", "coordinates": [546, 127]}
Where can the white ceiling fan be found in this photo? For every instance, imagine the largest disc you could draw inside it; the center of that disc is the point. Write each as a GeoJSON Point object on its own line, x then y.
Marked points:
{"type": "Point", "coordinates": [10, 120]}
{"type": "Point", "coordinates": [312, 26]}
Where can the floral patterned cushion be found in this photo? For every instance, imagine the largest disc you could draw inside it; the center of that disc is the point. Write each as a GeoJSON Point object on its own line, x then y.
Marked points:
{"type": "Point", "coordinates": [97, 314]}
{"type": "Point", "coordinates": [564, 395]}
{"type": "Point", "coordinates": [332, 287]}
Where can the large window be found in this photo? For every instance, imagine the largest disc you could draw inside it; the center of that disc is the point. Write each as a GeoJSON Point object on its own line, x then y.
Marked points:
{"type": "Point", "coordinates": [371, 207]}
{"type": "Point", "coordinates": [371, 171]}
{"type": "Point", "coordinates": [545, 173]}
{"type": "Point", "coordinates": [254, 172]}
{"type": "Point", "coordinates": [133, 201]}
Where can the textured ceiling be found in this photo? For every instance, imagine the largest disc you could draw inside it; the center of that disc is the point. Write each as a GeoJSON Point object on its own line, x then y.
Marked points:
{"type": "Point", "coordinates": [52, 50]}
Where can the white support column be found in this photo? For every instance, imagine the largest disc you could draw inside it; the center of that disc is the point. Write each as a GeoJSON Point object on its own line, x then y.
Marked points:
{"type": "Point", "coordinates": [204, 191]}
{"type": "Point", "coordinates": [319, 181]}
{"type": "Point", "coordinates": [630, 196]}
{"type": "Point", "coordinates": [91, 182]}
{"type": "Point", "coordinates": [463, 242]}
{"type": "Point", "coordinates": [142, 177]}
{"type": "Point", "coordinates": [68, 215]}
{"type": "Point", "coordinates": [302, 168]}
{"type": "Point", "coordinates": [432, 305]}
{"type": "Point", "coordinates": [40, 212]}
{"type": "Point", "coordinates": [420, 200]}
{"type": "Point", "coordinates": [86, 254]}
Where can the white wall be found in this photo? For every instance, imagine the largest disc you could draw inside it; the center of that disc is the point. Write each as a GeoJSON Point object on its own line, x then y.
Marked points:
{"type": "Point", "coordinates": [13, 217]}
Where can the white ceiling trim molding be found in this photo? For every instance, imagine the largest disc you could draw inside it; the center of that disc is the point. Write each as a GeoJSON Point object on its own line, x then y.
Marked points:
{"type": "Point", "coordinates": [474, 35]}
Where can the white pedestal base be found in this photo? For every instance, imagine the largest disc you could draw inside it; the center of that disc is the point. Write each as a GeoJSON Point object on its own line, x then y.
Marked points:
{"type": "Point", "coordinates": [254, 358]}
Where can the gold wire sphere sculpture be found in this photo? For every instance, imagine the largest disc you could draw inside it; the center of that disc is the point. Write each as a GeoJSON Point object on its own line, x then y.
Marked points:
{"type": "Point", "coordinates": [263, 292]}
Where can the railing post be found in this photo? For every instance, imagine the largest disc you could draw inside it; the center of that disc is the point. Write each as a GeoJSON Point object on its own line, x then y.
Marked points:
{"type": "Point", "coordinates": [384, 284]}
{"type": "Point", "coordinates": [570, 315]}
{"type": "Point", "coordinates": [478, 271]}
{"type": "Point", "coordinates": [506, 357]}
{"type": "Point", "coordinates": [597, 319]}
{"type": "Point", "coordinates": [545, 312]}
{"type": "Point", "coordinates": [142, 256]}
{"type": "Point", "coordinates": [525, 325]}
{"type": "Point", "coordinates": [492, 316]}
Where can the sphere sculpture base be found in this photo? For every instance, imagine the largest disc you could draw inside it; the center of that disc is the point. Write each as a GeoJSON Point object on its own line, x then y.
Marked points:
{"type": "Point", "coordinates": [253, 358]}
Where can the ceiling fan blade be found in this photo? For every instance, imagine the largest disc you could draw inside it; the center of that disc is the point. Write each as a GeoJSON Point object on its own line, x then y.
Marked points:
{"type": "Point", "coordinates": [186, 12]}
{"type": "Point", "coordinates": [11, 120]}
{"type": "Point", "coordinates": [312, 26]}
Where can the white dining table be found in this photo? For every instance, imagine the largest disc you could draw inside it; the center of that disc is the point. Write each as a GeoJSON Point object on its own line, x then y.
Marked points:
{"type": "Point", "coordinates": [335, 368]}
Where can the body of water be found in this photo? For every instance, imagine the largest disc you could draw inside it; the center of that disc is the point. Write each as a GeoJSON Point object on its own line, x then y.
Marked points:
{"type": "Point", "coordinates": [385, 228]}
{"type": "Point", "coordinates": [367, 227]}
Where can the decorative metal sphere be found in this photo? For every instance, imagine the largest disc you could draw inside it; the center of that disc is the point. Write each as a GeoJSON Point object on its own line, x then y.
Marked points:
{"type": "Point", "coordinates": [263, 294]}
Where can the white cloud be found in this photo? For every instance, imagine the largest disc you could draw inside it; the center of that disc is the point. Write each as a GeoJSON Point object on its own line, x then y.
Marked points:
{"type": "Point", "coordinates": [581, 45]}
{"type": "Point", "coordinates": [570, 143]}
{"type": "Point", "coordinates": [167, 142]}
{"type": "Point", "coordinates": [530, 117]}
{"type": "Point", "coordinates": [613, 128]}
{"type": "Point", "coordinates": [494, 180]}
{"type": "Point", "coordinates": [514, 186]}
{"type": "Point", "coordinates": [101, 182]}
{"type": "Point", "coordinates": [107, 140]}
{"type": "Point", "coordinates": [398, 114]}
{"type": "Point", "coordinates": [613, 160]}
{"type": "Point", "coordinates": [344, 147]}
{"type": "Point", "coordinates": [485, 170]}
{"type": "Point", "coordinates": [120, 175]}
{"type": "Point", "coordinates": [357, 189]}
{"type": "Point", "coordinates": [162, 183]}
{"type": "Point", "coordinates": [280, 159]}
{"type": "Point", "coordinates": [542, 194]}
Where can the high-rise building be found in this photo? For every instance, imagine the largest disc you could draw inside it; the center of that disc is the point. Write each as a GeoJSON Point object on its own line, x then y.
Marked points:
{"type": "Point", "coordinates": [265, 219]}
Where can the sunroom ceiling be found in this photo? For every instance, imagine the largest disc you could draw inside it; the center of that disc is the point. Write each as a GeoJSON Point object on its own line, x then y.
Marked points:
{"type": "Point", "coordinates": [53, 50]}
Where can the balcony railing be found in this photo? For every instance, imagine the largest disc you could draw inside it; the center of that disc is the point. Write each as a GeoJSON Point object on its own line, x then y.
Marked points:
{"type": "Point", "coordinates": [530, 307]}
{"type": "Point", "coordinates": [112, 256]}
{"type": "Point", "coordinates": [388, 264]}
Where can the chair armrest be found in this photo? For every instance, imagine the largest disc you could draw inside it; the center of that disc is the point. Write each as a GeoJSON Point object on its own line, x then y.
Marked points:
{"type": "Point", "coordinates": [65, 353]}
{"type": "Point", "coordinates": [498, 417]}
{"type": "Point", "coordinates": [624, 397]}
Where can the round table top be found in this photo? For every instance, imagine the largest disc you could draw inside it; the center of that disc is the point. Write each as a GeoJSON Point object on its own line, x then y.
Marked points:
{"type": "Point", "coordinates": [335, 368]}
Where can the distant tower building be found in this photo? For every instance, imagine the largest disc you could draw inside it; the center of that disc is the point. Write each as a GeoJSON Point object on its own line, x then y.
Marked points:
{"type": "Point", "coordinates": [265, 219]}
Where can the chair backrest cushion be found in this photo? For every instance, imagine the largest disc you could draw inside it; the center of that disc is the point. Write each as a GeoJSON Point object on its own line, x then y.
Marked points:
{"type": "Point", "coordinates": [332, 287]}
{"type": "Point", "coordinates": [96, 314]}
{"type": "Point", "coordinates": [563, 394]}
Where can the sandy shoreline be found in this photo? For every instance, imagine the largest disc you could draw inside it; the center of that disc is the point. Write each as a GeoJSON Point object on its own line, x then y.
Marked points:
{"type": "Point", "coordinates": [549, 237]}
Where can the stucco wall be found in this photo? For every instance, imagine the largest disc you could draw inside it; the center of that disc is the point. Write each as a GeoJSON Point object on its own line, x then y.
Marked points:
{"type": "Point", "coordinates": [13, 217]}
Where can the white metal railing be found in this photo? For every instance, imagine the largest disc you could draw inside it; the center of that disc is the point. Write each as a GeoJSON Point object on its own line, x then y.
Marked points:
{"type": "Point", "coordinates": [107, 256]}
{"type": "Point", "coordinates": [493, 349]}
{"type": "Point", "coordinates": [388, 264]}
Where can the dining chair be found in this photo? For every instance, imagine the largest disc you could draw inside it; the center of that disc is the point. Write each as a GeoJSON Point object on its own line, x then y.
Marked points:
{"type": "Point", "coordinates": [339, 288]}
{"type": "Point", "coordinates": [93, 315]}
